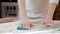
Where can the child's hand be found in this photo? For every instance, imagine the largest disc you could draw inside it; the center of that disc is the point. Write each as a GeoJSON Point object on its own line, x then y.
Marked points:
{"type": "Point", "coordinates": [26, 24]}
{"type": "Point", "coordinates": [48, 22]}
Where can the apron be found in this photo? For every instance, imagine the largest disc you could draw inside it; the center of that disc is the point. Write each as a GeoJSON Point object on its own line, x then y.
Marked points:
{"type": "Point", "coordinates": [36, 9]}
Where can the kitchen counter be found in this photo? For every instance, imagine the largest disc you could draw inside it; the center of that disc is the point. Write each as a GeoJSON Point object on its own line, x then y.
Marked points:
{"type": "Point", "coordinates": [11, 27]}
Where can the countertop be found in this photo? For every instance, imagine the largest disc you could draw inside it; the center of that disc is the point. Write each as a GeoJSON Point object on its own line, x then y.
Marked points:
{"type": "Point", "coordinates": [11, 27]}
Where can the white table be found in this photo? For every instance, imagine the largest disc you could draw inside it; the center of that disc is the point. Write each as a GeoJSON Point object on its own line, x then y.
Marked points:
{"type": "Point", "coordinates": [37, 28]}
{"type": "Point", "coordinates": [11, 27]}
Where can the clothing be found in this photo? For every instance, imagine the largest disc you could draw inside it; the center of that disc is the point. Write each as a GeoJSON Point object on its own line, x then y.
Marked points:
{"type": "Point", "coordinates": [53, 1]}
{"type": "Point", "coordinates": [37, 9]}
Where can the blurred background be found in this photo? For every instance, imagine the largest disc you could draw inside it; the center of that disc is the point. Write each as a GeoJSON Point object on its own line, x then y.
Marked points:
{"type": "Point", "coordinates": [57, 13]}
{"type": "Point", "coordinates": [9, 8]}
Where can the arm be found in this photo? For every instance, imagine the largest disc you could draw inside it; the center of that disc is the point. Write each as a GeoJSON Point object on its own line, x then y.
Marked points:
{"type": "Point", "coordinates": [48, 19]}
{"type": "Point", "coordinates": [22, 8]}
{"type": "Point", "coordinates": [25, 21]}
{"type": "Point", "coordinates": [51, 10]}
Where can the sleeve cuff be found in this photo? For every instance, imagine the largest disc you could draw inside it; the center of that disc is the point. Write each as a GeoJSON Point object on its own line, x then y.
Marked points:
{"type": "Point", "coordinates": [54, 1]}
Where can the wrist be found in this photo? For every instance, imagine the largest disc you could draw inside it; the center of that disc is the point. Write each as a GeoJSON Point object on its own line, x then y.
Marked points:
{"type": "Point", "coordinates": [24, 19]}
{"type": "Point", "coordinates": [48, 18]}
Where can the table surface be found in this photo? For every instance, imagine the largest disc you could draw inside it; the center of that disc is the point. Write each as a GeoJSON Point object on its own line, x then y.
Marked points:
{"type": "Point", "coordinates": [38, 27]}
{"type": "Point", "coordinates": [11, 27]}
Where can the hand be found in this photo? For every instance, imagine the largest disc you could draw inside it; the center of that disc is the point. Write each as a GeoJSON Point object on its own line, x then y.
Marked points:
{"type": "Point", "coordinates": [26, 24]}
{"type": "Point", "coordinates": [48, 22]}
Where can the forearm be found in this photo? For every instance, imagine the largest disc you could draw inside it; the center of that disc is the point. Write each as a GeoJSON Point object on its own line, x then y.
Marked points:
{"type": "Point", "coordinates": [51, 10]}
{"type": "Point", "coordinates": [22, 8]}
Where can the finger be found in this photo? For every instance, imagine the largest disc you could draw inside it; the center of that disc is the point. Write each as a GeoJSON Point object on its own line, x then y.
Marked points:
{"type": "Point", "coordinates": [23, 25]}
{"type": "Point", "coordinates": [44, 23]}
{"type": "Point", "coordinates": [50, 25]}
{"type": "Point", "coordinates": [47, 24]}
{"type": "Point", "coordinates": [26, 25]}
